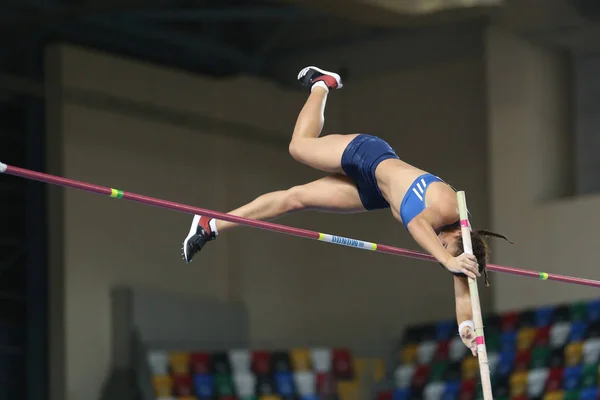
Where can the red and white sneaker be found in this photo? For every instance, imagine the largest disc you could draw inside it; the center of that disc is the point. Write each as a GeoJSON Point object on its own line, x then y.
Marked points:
{"type": "Point", "coordinates": [311, 75]}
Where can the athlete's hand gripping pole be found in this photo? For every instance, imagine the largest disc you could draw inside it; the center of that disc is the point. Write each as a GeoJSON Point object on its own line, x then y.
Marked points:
{"type": "Point", "coordinates": [484, 368]}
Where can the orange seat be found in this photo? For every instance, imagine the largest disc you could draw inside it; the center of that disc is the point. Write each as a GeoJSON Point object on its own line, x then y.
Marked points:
{"type": "Point", "coordinates": [179, 363]}
{"type": "Point", "coordinates": [300, 360]}
{"type": "Point", "coordinates": [518, 383]}
{"type": "Point", "coordinates": [409, 354]}
{"type": "Point", "coordinates": [163, 385]}
{"type": "Point", "coordinates": [525, 338]}
{"type": "Point", "coordinates": [470, 368]}
{"type": "Point", "coordinates": [348, 390]}
{"type": "Point", "coordinates": [554, 395]}
{"type": "Point", "coordinates": [573, 353]}
{"type": "Point", "coordinates": [380, 370]}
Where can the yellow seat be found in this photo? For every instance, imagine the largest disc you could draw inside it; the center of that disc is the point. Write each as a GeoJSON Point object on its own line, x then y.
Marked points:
{"type": "Point", "coordinates": [525, 338]}
{"type": "Point", "coordinates": [348, 390]}
{"type": "Point", "coordinates": [269, 397]}
{"type": "Point", "coordinates": [187, 398]}
{"type": "Point", "coordinates": [409, 354]}
{"type": "Point", "coordinates": [380, 370]}
{"type": "Point", "coordinates": [300, 359]}
{"type": "Point", "coordinates": [470, 368]}
{"type": "Point", "coordinates": [179, 362]}
{"type": "Point", "coordinates": [573, 353]}
{"type": "Point", "coordinates": [163, 385]}
{"type": "Point", "coordinates": [518, 383]}
{"type": "Point", "coordinates": [556, 395]}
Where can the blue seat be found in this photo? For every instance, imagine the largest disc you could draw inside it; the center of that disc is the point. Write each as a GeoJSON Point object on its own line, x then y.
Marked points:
{"type": "Point", "coordinates": [589, 393]}
{"type": "Point", "coordinates": [572, 377]}
{"type": "Point", "coordinates": [204, 386]}
{"type": "Point", "coordinates": [577, 333]}
{"type": "Point", "coordinates": [401, 394]}
{"type": "Point", "coordinates": [508, 341]}
{"type": "Point", "coordinates": [593, 310]}
{"type": "Point", "coordinates": [451, 390]}
{"type": "Point", "coordinates": [506, 363]}
{"type": "Point", "coordinates": [312, 396]}
{"type": "Point", "coordinates": [445, 330]}
{"type": "Point", "coordinates": [543, 316]}
{"type": "Point", "coordinates": [284, 383]}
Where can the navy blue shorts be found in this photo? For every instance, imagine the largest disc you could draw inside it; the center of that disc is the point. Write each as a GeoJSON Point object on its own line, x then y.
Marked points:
{"type": "Point", "coordinates": [359, 161]}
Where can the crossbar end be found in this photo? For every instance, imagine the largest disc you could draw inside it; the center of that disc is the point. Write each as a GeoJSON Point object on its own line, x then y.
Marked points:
{"type": "Point", "coordinates": [2, 168]}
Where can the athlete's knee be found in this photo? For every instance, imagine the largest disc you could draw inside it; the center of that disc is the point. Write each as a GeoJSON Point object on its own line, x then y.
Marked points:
{"type": "Point", "coordinates": [297, 150]}
{"type": "Point", "coordinates": [294, 199]}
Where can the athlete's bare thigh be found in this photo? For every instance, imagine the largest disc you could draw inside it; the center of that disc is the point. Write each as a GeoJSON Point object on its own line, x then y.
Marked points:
{"type": "Point", "coordinates": [323, 153]}
{"type": "Point", "coordinates": [335, 193]}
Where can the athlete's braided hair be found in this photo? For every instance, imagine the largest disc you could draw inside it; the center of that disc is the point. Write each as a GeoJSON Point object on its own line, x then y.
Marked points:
{"type": "Point", "coordinates": [480, 248]}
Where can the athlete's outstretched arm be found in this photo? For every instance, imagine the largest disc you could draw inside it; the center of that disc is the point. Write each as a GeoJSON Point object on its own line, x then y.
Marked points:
{"type": "Point", "coordinates": [464, 313]}
{"type": "Point", "coordinates": [421, 229]}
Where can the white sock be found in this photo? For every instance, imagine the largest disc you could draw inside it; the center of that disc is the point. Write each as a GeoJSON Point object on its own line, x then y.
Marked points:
{"type": "Point", "coordinates": [213, 226]}
{"type": "Point", "coordinates": [320, 84]}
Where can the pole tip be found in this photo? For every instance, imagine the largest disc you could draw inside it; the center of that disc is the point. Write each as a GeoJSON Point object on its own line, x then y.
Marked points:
{"type": "Point", "coordinates": [2, 168]}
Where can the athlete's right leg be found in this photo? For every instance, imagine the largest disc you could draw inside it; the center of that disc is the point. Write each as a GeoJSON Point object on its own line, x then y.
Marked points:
{"type": "Point", "coordinates": [306, 146]}
{"type": "Point", "coordinates": [335, 193]}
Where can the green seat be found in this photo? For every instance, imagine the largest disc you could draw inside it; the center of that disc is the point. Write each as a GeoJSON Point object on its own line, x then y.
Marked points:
{"type": "Point", "coordinates": [438, 370]}
{"type": "Point", "coordinates": [492, 342]}
{"type": "Point", "coordinates": [539, 357]}
{"type": "Point", "coordinates": [224, 385]}
{"type": "Point", "coordinates": [589, 375]}
{"type": "Point", "coordinates": [249, 398]}
{"type": "Point", "coordinates": [577, 311]}
{"type": "Point", "coordinates": [571, 395]}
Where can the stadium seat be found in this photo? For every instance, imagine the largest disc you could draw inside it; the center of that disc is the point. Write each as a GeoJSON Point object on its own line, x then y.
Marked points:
{"type": "Point", "coordinates": [305, 382]}
{"type": "Point", "coordinates": [321, 359]}
{"type": "Point", "coordinates": [444, 330]}
{"type": "Point", "coordinates": [182, 385]}
{"type": "Point", "coordinates": [451, 390]}
{"type": "Point", "coordinates": [420, 376]}
{"type": "Point", "coordinates": [179, 362]}
{"type": "Point", "coordinates": [525, 319]}
{"type": "Point", "coordinates": [457, 349]}
{"type": "Point", "coordinates": [554, 380]}
{"type": "Point", "coordinates": [379, 370]}
{"type": "Point", "coordinates": [573, 353]}
{"type": "Point", "coordinates": [540, 357]}
{"type": "Point", "coordinates": [261, 362]}
{"type": "Point", "coordinates": [508, 341]}
{"type": "Point", "coordinates": [492, 323]}
{"type": "Point", "coordinates": [554, 395]}
{"type": "Point", "coordinates": [542, 336]}
{"type": "Point", "coordinates": [264, 385]}
{"type": "Point", "coordinates": [163, 385]}
{"type": "Point", "coordinates": [200, 363]}
{"type": "Point", "coordinates": [240, 360]}
{"type": "Point", "coordinates": [220, 363]}
{"type": "Point", "coordinates": [403, 375]}
{"type": "Point", "coordinates": [269, 397]}
{"type": "Point", "coordinates": [412, 335]}
{"type": "Point", "coordinates": [438, 371]}
{"type": "Point", "coordinates": [428, 333]}
{"type": "Point", "coordinates": [559, 333]}
{"type": "Point", "coordinates": [409, 354]}
{"type": "Point", "coordinates": [467, 389]}
{"type": "Point", "coordinates": [561, 314]}
{"type": "Point", "coordinates": [593, 311]}
{"type": "Point", "coordinates": [522, 360]}
{"type": "Point", "coordinates": [572, 377]}
{"type": "Point", "coordinates": [166, 398]}
{"type": "Point", "coordinates": [593, 330]}
{"type": "Point", "coordinates": [453, 372]}
{"type": "Point", "coordinates": [159, 362]}
{"type": "Point", "coordinates": [204, 386]}
{"type": "Point", "coordinates": [284, 384]}
{"type": "Point", "coordinates": [578, 331]}
{"type": "Point", "coordinates": [589, 375]}
{"type": "Point", "coordinates": [536, 382]}
{"type": "Point", "coordinates": [500, 387]}
{"type": "Point", "coordinates": [508, 321]}
{"type": "Point", "coordinates": [224, 385]}
{"type": "Point", "coordinates": [434, 391]}
{"type": "Point", "coordinates": [591, 351]}
{"type": "Point", "coordinates": [245, 383]}
{"type": "Point", "coordinates": [493, 359]}
{"type": "Point", "coordinates": [571, 394]}
{"type": "Point", "coordinates": [280, 362]}
{"type": "Point", "coordinates": [425, 351]}
{"type": "Point", "coordinates": [442, 352]}
{"type": "Point", "coordinates": [557, 358]}
{"type": "Point", "coordinates": [326, 385]}
{"type": "Point", "coordinates": [342, 365]}
{"type": "Point", "coordinates": [591, 393]}
{"type": "Point", "coordinates": [518, 383]}
{"type": "Point", "coordinates": [544, 316]}
{"type": "Point", "coordinates": [505, 364]}
{"type": "Point", "coordinates": [348, 390]}
{"type": "Point", "coordinates": [398, 394]}
{"type": "Point", "coordinates": [525, 338]}
{"type": "Point", "coordinates": [301, 360]}
{"type": "Point", "coordinates": [189, 398]}
{"type": "Point", "coordinates": [577, 311]}
{"type": "Point", "coordinates": [251, 397]}
{"type": "Point", "coordinates": [470, 368]}
{"type": "Point", "coordinates": [314, 396]}
{"type": "Point", "coordinates": [492, 341]}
